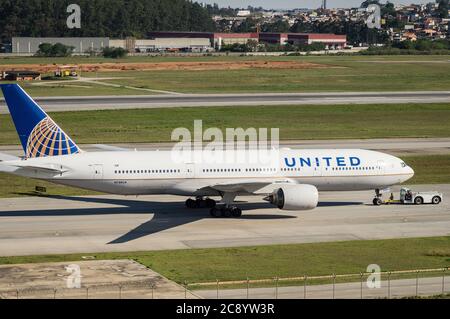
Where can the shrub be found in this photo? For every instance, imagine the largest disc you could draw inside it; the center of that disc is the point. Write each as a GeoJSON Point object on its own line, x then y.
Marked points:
{"type": "Point", "coordinates": [56, 50]}
{"type": "Point", "coordinates": [114, 53]}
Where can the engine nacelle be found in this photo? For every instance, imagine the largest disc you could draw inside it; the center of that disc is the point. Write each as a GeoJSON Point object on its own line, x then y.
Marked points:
{"type": "Point", "coordinates": [295, 197]}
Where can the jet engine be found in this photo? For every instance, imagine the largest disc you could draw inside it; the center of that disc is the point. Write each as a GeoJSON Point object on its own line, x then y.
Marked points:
{"type": "Point", "coordinates": [295, 197]}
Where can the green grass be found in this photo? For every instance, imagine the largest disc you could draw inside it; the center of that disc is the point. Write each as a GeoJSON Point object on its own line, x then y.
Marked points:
{"type": "Point", "coordinates": [73, 88]}
{"type": "Point", "coordinates": [432, 169]}
{"type": "Point", "coordinates": [345, 73]}
{"type": "Point", "coordinates": [295, 122]}
{"type": "Point", "coordinates": [16, 186]}
{"type": "Point", "coordinates": [263, 262]}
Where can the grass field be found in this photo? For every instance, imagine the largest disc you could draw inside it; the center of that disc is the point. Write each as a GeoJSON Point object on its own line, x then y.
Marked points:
{"type": "Point", "coordinates": [295, 122]}
{"type": "Point", "coordinates": [343, 73]}
{"type": "Point", "coordinates": [75, 88]}
{"type": "Point", "coordinates": [433, 169]}
{"type": "Point", "coordinates": [206, 58]}
{"type": "Point", "coordinates": [263, 262]}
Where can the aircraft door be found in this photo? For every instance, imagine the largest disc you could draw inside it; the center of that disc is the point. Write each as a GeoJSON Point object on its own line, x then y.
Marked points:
{"type": "Point", "coordinates": [190, 170]}
{"type": "Point", "coordinates": [317, 171]}
{"type": "Point", "coordinates": [381, 166]}
{"type": "Point", "coordinates": [97, 171]}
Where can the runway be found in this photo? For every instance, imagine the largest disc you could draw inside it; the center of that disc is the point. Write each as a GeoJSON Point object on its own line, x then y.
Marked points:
{"type": "Point", "coordinates": [61, 104]}
{"type": "Point", "coordinates": [395, 146]}
{"type": "Point", "coordinates": [58, 224]}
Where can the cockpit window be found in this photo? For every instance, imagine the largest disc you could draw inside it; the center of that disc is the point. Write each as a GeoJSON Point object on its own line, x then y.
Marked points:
{"type": "Point", "coordinates": [403, 164]}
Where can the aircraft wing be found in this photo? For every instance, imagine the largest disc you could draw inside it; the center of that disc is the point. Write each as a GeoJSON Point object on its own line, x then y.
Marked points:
{"type": "Point", "coordinates": [249, 186]}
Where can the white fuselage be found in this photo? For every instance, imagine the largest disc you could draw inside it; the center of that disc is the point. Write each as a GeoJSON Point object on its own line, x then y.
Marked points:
{"type": "Point", "coordinates": [157, 172]}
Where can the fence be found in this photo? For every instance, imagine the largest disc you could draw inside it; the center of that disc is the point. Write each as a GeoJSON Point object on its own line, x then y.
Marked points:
{"type": "Point", "coordinates": [407, 283]}
{"type": "Point", "coordinates": [126, 290]}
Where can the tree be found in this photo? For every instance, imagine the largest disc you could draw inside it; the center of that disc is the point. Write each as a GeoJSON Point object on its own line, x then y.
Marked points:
{"type": "Point", "coordinates": [248, 25]}
{"type": "Point", "coordinates": [443, 8]}
{"type": "Point", "coordinates": [109, 18]}
{"type": "Point", "coordinates": [367, 3]}
{"type": "Point", "coordinates": [56, 50]}
{"type": "Point", "coordinates": [114, 53]}
{"type": "Point", "coordinates": [277, 26]}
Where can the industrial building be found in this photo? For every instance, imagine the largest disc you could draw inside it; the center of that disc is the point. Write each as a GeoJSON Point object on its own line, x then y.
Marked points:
{"type": "Point", "coordinates": [179, 41]}
{"type": "Point", "coordinates": [164, 40]}
{"type": "Point", "coordinates": [81, 45]}
{"type": "Point", "coordinates": [331, 41]}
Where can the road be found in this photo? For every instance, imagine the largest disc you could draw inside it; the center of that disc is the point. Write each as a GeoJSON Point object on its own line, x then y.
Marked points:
{"type": "Point", "coordinates": [395, 289]}
{"type": "Point", "coordinates": [60, 104]}
{"type": "Point", "coordinates": [58, 224]}
{"type": "Point", "coordinates": [396, 146]}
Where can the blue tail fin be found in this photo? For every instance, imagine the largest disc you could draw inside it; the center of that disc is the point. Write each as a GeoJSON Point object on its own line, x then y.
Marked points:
{"type": "Point", "coordinates": [39, 135]}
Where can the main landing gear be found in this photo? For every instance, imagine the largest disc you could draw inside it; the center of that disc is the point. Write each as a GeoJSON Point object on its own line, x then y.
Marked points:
{"type": "Point", "coordinates": [223, 210]}
{"type": "Point", "coordinates": [200, 202]}
{"type": "Point", "coordinates": [226, 211]}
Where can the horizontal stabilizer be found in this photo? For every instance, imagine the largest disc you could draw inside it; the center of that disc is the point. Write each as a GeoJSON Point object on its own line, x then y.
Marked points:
{"type": "Point", "coordinates": [110, 148]}
{"type": "Point", "coordinates": [7, 157]}
{"type": "Point", "coordinates": [6, 168]}
{"type": "Point", "coordinates": [56, 169]}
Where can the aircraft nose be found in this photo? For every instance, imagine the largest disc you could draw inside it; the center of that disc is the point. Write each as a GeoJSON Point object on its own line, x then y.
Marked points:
{"type": "Point", "coordinates": [410, 171]}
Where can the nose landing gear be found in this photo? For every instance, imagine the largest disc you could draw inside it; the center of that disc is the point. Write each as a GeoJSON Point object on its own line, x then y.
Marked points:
{"type": "Point", "coordinates": [378, 201]}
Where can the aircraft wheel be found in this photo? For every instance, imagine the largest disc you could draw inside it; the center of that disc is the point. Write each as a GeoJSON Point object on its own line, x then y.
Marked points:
{"type": "Point", "coordinates": [190, 203]}
{"type": "Point", "coordinates": [215, 212]}
{"type": "Point", "coordinates": [226, 212]}
{"type": "Point", "coordinates": [210, 203]}
{"type": "Point", "coordinates": [236, 212]}
{"type": "Point", "coordinates": [377, 201]}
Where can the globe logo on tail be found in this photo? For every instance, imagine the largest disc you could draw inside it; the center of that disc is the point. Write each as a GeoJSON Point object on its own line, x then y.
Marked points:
{"type": "Point", "coordinates": [47, 139]}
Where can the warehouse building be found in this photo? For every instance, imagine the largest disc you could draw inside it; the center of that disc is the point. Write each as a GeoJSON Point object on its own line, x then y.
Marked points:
{"type": "Point", "coordinates": [216, 40]}
{"type": "Point", "coordinates": [81, 45]}
{"type": "Point", "coordinates": [179, 41]}
{"type": "Point", "coordinates": [331, 41]}
{"type": "Point", "coordinates": [208, 40]}
{"type": "Point", "coordinates": [165, 42]}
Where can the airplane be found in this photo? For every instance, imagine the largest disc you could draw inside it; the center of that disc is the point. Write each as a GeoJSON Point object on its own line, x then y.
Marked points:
{"type": "Point", "coordinates": [291, 182]}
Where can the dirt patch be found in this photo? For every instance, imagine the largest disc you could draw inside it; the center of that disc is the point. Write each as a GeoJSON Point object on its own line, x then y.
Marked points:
{"type": "Point", "coordinates": [162, 66]}
{"type": "Point", "coordinates": [110, 279]}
